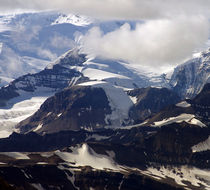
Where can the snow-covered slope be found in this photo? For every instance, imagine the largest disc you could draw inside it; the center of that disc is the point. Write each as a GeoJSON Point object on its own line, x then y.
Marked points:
{"type": "Point", "coordinates": [29, 41]}
{"type": "Point", "coordinates": [189, 118]}
{"type": "Point", "coordinates": [189, 79]}
{"type": "Point", "coordinates": [119, 102]}
{"type": "Point", "coordinates": [202, 146]}
{"type": "Point", "coordinates": [92, 159]}
{"type": "Point", "coordinates": [192, 175]}
{"type": "Point", "coordinates": [23, 96]}
{"type": "Point", "coordinates": [20, 108]}
{"type": "Point", "coordinates": [77, 20]}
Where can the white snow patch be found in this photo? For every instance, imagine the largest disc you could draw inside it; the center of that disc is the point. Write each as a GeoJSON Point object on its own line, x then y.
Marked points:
{"type": "Point", "coordinates": [202, 146]}
{"type": "Point", "coordinates": [133, 99]}
{"type": "Point", "coordinates": [91, 83]}
{"type": "Point", "coordinates": [183, 104]}
{"type": "Point", "coordinates": [96, 74]}
{"type": "Point", "coordinates": [97, 137]}
{"type": "Point", "coordinates": [195, 121]}
{"type": "Point", "coordinates": [195, 176]}
{"type": "Point", "coordinates": [77, 20]}
{"type": "Point", "coordinates": [20, 108]}
{"type": "Point", "coordinates": [38, 127]}
{"type": "Point", "coordinates": [5, 134]}
{"type": "Point", "coordinates": [59, 114]}
{"type": "Point", "coordinates": [47, 154]}
{"type": "Point", "coordinates": [189, 118]}
{"type": "Point", "coordinates": [49, 113]}
{"type": "Point", "coordinates": [197, 55]}
{"type": "Point", "coordinates": [41, 163]}
{"type": "Point", "coordinates": [16, 155]}
{"type": "Point", "coordinates": [85, 156]}
{"type": "Point", "coordinates": [119, 102]}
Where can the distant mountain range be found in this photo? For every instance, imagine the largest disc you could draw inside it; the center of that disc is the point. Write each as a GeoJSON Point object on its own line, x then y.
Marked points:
{"type": "Point", "coordinates": [159, 154]}
{"type": "Point", "coordinates": [116, 80]}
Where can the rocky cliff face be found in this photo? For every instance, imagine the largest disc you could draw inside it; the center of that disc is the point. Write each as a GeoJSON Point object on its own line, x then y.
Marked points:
{"type": "Point", "coordinates": [72, 109]}
{"type": "Point", "coordinates": [96, 106]}
{"type": "Point", "coordinates": [150, 101]}
{"type": "Point", "coordinates": [189, 79]}
{"type": "Point", "coordinates": [127, 155]}
{"type": "Point", "coordinates": [193, 111]}
{"type": "Point", "coordinates": [50, 177]}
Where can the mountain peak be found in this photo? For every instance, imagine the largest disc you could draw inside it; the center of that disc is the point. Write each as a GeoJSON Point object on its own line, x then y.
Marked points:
{"type": "Point", "coordinates": [72, 57]}
{"type": "Point", "coordinates": [77, 20]}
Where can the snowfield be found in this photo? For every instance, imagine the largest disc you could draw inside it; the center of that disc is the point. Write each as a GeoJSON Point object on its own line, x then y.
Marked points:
{"type": "Point", "coordinates": [85, 156]}
{"type": "Point", "coordinates": [77, 20]}
{"type": "Point", "coordinates": [16, 155]}
{"type": "Point", "coordinates": [20, 108]}
{"type": "Point", "coordinates": [181, 175]}
{"type": "Point", "coordinates": [202, 146]}
{"type": "Point", "coordinates": [183, 104]}
{"type": "Point", "coordinates": [189, 118]}
{"type": "Point", "coordinates": [119, 102]}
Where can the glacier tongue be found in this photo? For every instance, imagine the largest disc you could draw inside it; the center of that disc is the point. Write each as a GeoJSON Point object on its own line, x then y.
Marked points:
{"type": "Point", "coordinates": [119, 102]}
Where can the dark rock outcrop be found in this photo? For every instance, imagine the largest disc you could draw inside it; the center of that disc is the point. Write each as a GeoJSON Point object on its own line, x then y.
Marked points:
{"type": "Point", "coordinates": [150, 101]}
{"type": "Point", "coordinates": [75, 108]}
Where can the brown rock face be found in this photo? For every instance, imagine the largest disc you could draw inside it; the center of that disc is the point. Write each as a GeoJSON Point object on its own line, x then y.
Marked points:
{"type": "Point", "coordinates": [72, 109]}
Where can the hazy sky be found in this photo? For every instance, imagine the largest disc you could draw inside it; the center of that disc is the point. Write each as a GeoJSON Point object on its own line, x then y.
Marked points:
{"type": "Point", "coordinates": [121, 9]}
{"type": "Point", "coordinates": [171, 31]}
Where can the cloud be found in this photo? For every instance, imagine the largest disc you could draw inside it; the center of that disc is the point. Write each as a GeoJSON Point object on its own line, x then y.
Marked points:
{"type": "Point", "coordinates": [154, 43]}
{"type": "Point", "coordinates": [46, 54]}
{"type": "Point", "coordinates": [60, 42]}
{"type": "Point", "coordinates": [115, 9]}
{"type": "Point", "coordinates": [30, 33]}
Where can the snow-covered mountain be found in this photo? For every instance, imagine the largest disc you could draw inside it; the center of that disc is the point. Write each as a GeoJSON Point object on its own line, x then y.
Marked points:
{"type": "Point", "coordinates": [189, 78]}
{"type": "Point", "coordinates": [77, 20]}
{"type": "Point", "coordinates": [114, 77]}
{"type": "Point", "coordinates": [30, 41]}
{"type": "Point", "coordinates": [132, 131]}
{"type": "Point", "coordinates": [23, 96]}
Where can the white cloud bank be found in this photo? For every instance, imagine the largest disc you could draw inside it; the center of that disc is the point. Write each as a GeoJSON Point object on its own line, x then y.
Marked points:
{"type": "Point", "coordinates": [117, 9]}
{"type": "Point", "coordinates": [156, 42]}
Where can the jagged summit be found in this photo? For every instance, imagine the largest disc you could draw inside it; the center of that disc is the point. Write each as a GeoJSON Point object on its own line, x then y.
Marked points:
{"type": "Point", "coordinates": [72, 57]}
{"type": "Point", "coordinates": [73, 19]}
